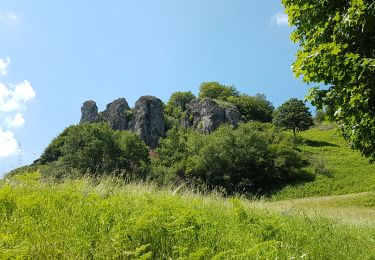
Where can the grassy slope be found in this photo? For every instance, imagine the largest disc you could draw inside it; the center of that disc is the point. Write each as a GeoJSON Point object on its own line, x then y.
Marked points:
{"type": "Point", "coordinates": [79, 219]}
{"type": "Point", "coordinates": [348, 172]}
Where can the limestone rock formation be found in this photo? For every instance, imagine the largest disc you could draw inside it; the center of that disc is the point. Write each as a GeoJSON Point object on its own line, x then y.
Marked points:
{"type": "Point", "coordinates": [116, 114]}
{"type": "Point", "coordinates": [147, 117]}
{"type": "Point", "coordinates": [148, 120]}
{"type": "Point", "coordinates": [206, 114]}
{"type": "Point", "coordinates": [89, 112]}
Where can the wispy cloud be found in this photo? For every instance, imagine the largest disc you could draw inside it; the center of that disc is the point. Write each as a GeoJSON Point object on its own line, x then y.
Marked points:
{"type": "Point", "coordinates": [13, 99]}
{"type": "Point", "coordinates": [280, 19]}
{"type": "Point", "coordinates": [8, 144]}
{"type": "Point", "coordinates": [8, 16]}
{"type": "Point", "coordinates": [15, 121]}
{"type": "Point", "coordinates": [3, 66]}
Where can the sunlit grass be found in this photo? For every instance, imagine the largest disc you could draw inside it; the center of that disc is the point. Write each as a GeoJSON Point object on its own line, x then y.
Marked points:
{"type": "Point", "coordinates": [107, 219]}
{"type": "Point", "coordinates": [339, 169]}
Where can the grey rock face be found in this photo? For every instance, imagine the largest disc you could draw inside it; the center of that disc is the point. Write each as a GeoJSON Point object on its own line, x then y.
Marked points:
{"type": "Point", "coordinates": [115, 114]}
{"type": "Point", "coordinates": [148, 120]}
{"type": "Point", "coordinates": [206, 115]}
{"type": "Point", "coordinates": [232, 115]}
{"type": "Point", "coordinates": [89, 112]}
{"type": "Point", "coordinates": [147, 117]}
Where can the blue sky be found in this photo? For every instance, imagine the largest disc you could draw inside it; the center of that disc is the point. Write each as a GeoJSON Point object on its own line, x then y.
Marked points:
{"type": "Point", "coordinates": [54, 55]}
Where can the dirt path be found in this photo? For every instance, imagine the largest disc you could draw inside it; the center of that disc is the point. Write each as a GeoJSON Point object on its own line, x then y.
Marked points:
{"type": "Point", "coordinates": [337, 207]}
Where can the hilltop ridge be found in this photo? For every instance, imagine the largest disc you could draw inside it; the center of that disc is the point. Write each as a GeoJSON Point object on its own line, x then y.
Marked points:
{"type": "Point", "coordinates": [147, 118]}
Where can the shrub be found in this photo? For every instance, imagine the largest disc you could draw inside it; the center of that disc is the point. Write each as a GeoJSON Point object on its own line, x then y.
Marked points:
{"type": "Point", "coordinates": [253, 108]}
{"type": "Point", "coordinates": [247, 158]}
{"type": "Point", "coordinates": [177, 103]}
{"type": "Point", "coordinates": [53, 151]}
{"type": "Point", "coordinates": [97, 149]}
{"type": "Point", "coordinates": [134, 154]}
{"type": "Point", "coordinates": [217, 91]}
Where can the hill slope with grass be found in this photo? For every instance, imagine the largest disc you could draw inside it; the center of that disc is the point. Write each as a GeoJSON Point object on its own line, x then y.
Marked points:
{"type": "Point", "coordinates": [337, 169]}
{"type": "Point", "coordinates": [106, 219]}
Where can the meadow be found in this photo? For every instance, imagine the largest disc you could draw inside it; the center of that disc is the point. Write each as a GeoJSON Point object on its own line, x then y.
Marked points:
{"type": "Point", "coordinates": [107, 218]}
{"type": "Point", "coordinates": [336, 168]}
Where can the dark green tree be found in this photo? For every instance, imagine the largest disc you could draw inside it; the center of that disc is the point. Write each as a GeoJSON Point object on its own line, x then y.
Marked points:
{"type": "Point", "coordinates": [97, 149]}
{"type": "Point", "coordinates": [53, 150]}
{"type": "Point", "coordinates": [91, 148]}
{"type": "Point", "coordinates": [177, 103]}
{"type": "Point", "coordinates": [217, 91]}
{"type": "Point", "coordinates": [253, 108]}
{"type": "Point", "coordinates": [249, 158]}
{"type": "Point", "coordinates": [293, 115]}
{"type": "Point", "coordinates": [337, 49]}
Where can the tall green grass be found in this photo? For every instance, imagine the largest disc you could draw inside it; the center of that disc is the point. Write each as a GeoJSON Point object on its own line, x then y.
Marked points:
{"type": "Point", "coordinates": [106, 219]}
{"type": "Point", "coordinates": [337, 168]}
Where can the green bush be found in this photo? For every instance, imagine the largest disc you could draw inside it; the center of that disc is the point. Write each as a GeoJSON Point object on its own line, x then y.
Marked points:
{"type": "Point", "coordinates": [253, 108]}
{"type": "Point", "coordinates": [97, 149]}
{"type": "Point", "coordinates": [217, 91]}
{"type": "Point", "coordinates": [53, 151]}
{"type": "Point", "coordinates": [177, 103]}
{"type": "Point", "coordinates": [248, 158]}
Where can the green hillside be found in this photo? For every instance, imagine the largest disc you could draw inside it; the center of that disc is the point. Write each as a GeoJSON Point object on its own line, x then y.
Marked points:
{"type": "Point", "coordinates": [337, 168]}
{"type": "Point", "coordinates": [81, 219]}
{"type": "Point", "coordinates": [106, 218]}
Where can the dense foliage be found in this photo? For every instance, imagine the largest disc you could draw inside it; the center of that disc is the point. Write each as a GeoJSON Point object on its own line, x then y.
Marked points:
{"type": "Point", "coordinates": [248, 158]}
{"type": "Point", "coordinates": [216, 90]}
{"type": "Point", "coordinates": [53, 150]}
{"type": "Point", "coordinates": [293, 115]}
{"type": "Point", "coordinates": [106, 219]}
{"type": "Point", "coordinates": [253, 108]}
{"type": "Point", "coordinates": [97, 149]}
{"type": "Point", "coordinates": [337, 48]}
{"type": "Point", "coordinates": [177, 103]}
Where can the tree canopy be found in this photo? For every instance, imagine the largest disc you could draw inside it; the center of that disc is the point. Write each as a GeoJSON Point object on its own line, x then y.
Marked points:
{"type": "Point", "coordinates": [293, 115]}
{"type": "Point", "coordinates": [250, 157]}
{"type": "Point", "coordinates": [217, 91]}
{"type": "Point", "coordinates": [253, 108]}
{"type": "Point", "coordinates": [97, 149]}
{"type": "Point", "coordinates": [177, 103]}
{"type": "Point", "coordinates": [337, 48]}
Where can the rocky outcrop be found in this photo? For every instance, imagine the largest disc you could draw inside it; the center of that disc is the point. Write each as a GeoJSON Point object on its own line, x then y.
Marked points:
{"type": "Point", "coordinates": [206, 114]}
{"type": "Point", "coordinates": [89, 112]}
{"type": "Point", "coordinates": [147, 117]}
{"type": "Point", "coordinates": [116, 114]}
{"type": "Point", "coordinates": [148, 120]}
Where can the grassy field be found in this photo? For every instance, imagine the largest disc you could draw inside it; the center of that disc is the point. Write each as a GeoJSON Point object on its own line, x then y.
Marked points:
{"type": "Point", "coordinates": [83, 219]}
{"type": "Point", "coordinates": [105, 218]}
{"type": "Point", "coordinates": [337, 169]}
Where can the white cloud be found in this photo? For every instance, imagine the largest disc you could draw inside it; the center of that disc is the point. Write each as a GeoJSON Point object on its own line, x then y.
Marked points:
{"type": "Point", "coordinates": [280, 19]}
{"type": "Point", "coordinates": [8, 144]}
{"type": "Point", "coordinates": [3, 65]}
{"type": "Point", "coordinates": [8, 16]}
{"type": "Point", "coordinates": [14, 121]}
{"type": "Point", "coordinates": [15, 97]}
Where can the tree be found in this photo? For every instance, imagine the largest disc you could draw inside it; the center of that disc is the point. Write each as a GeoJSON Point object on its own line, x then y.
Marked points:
{"type": "Point", "coordinates": [53, 150]}
{"type": "Point", "coordinates": [249, 157]}
{"type": "Point", "coordinates": [293, 115]}
{"type": "Point", "coordinates": [337, 48]}
{"type": "Point", "coordinates": [253, 108]}
{"type": "Point", "coordinates": [97, 149]}
{"type": "Point", "coordinates": [177, 103]}
{"type": "Point", "coordinates": [217, 91]}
